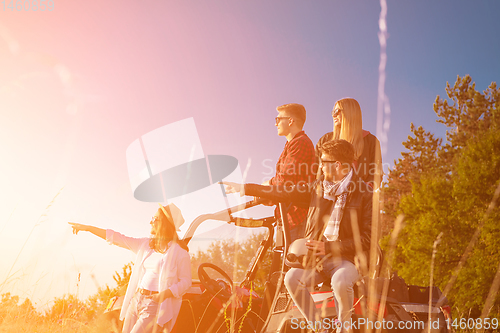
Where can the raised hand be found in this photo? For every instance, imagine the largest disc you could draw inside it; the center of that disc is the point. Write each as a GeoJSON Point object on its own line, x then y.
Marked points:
{"type": "Point", "coordinates": [233, 187]}
{"type": "Point", "coordinates": [78, 227]}
{"type": "Point", "coordinates": [85, 227]}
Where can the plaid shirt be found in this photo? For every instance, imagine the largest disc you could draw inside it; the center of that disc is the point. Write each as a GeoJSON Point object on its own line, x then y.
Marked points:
{"type": "Point", "coordinates": [297, 165]}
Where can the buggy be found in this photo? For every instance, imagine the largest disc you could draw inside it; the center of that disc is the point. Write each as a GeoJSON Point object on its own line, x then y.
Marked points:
{"type": "Point", "coordinates": [382, 304]}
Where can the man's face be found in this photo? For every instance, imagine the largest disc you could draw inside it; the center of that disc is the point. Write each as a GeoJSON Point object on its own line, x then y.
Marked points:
{"type": "Point", "coordinates": [330, 167]}
{"type": "Point", "coordinates": [283, 123]}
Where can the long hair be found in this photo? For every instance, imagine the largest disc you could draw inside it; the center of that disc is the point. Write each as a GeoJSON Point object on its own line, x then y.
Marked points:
{"type": "Point", "coordinates": [351, 126]}
{"type": "Point", "coordinates": [165, 232]}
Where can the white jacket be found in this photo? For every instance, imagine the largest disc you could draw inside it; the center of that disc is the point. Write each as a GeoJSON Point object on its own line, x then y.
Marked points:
{"type": "Point", "coordinates": [175, 275]}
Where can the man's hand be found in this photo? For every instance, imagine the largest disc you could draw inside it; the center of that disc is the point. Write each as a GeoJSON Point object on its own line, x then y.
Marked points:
{"type": "Point", "coordinates": [234, 188]}
{"type": "Point", "coordinates": [267, 202]}
{"type": "Point", "coordinates": [317, 246]}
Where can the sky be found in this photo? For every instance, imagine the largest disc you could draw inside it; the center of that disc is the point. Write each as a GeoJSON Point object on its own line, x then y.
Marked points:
{"type": "Point", "coordinates": [80, 83]}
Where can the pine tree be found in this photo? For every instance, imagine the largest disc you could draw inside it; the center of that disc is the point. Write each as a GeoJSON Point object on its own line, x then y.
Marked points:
{"type": "Point", "coordinates": [447, 187]}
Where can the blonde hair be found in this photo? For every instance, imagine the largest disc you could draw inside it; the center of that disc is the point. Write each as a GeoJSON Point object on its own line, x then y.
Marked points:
{"type": "Point", "coordinates": [166, 232]}
{"type": "Point", "coordinates": [351, 125]}
{"type": "Point", "coordinates": [296, 111]}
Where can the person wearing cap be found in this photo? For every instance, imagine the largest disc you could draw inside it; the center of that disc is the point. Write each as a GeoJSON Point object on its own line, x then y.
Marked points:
{"type": "Point", "coordinates": [297, 163]}
{"type": "Point", "coordinates": [160, 276]}
{"type": "Point", "coordinates": [338, 229]}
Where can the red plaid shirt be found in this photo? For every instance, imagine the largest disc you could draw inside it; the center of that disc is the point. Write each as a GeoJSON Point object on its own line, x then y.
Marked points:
{"type": "Point", "coordinates": [297, 164]}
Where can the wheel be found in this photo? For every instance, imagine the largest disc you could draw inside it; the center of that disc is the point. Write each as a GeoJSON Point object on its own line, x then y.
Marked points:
{"type": "Point", "coordinates": [219, 287]}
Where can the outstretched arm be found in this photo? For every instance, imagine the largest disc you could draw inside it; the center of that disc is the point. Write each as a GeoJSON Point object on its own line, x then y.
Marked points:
{"type": "Point", "coordinates": [234, 188]}
{"type": "Point", "coordinates": [112, 237]}
{"type": "Point", "coordinates": [299, 194]}
{"type": "Point", "coordinates": [84, 227]}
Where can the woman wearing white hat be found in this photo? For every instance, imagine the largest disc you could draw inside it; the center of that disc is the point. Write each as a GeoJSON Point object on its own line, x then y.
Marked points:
{"type": "Point", "coordinates": [161, 273]}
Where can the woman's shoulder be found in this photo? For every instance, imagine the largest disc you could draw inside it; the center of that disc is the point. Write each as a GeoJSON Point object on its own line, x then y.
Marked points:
{"type": "Point", "coordinates": [369, 138]}
{"type": "Point", "coordinates": [325, 138]}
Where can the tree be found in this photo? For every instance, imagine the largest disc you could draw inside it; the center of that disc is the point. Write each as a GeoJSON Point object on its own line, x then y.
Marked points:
{"type": "Point", "coordinates": [446, 187]}
{"type": "Point", "coordinates": [421, 158]}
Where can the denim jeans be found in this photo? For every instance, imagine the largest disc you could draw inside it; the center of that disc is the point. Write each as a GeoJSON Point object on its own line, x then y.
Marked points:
{"type": "Point", "coordinates": [342, 274]}
{"type": "Point", "coordinates": [141, 315]}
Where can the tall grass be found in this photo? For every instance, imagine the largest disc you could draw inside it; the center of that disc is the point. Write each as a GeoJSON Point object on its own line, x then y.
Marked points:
{"type": "Point", "coordinates": [40, 220]}
{"type": "Point", "coordinates": [39, 324]}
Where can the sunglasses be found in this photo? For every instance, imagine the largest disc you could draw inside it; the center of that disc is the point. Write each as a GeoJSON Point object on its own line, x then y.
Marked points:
{"type": "Point", "coordinates": [295, 258]}
{"type": "Point", "coordinates": [336, 112]}
{"type": "Point", "coordinates": [324, 162]}
{"type": "Point", "coordinates": [278, 119]}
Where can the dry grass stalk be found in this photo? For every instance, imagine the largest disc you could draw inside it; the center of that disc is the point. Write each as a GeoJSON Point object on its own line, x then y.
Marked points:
{"type": "Point", "coordinates": [39, 221]}
{"type": "Point", "coordinates": [431, 279]}
{"type": "Point", "coordinates": [491, 298]}
{"type": "Point", "coordinates": [372, 294]}
{"type": "Point", "coordinates": [398, 225]}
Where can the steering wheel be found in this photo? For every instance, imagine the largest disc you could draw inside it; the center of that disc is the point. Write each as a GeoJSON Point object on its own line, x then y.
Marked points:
{"type": "Point", "coordinates": [217, 287]}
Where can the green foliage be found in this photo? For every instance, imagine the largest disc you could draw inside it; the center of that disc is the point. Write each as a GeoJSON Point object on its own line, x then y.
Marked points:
{"type": "Point", "coordinates": [471, 112]}
{"type": "Point", "coordinates": [477, 176]}
{"type": "Point", "coordinates": [420, 159]}
{"type": "Point", "coordinates": [447, 187]}
{"type": "Point", "coordinates": [234, 258]}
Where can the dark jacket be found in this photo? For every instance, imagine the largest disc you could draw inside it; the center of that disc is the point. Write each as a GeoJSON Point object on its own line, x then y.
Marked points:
{"type": "Point", "coordinates": [358, 209]}
{"type": "Point", "coordinates": [370, 161]}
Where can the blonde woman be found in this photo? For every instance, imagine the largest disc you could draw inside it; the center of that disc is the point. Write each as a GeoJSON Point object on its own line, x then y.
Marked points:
{"type": "Point", "coordinates": [348, 125]}
{"type": "Point", "coordinates": [161, 273]}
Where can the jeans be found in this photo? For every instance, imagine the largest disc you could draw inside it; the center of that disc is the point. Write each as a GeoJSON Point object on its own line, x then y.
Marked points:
{"type": "Point", "coordinates": [141, 315]}
{"type": "Point", "coordinates": [342, 274]}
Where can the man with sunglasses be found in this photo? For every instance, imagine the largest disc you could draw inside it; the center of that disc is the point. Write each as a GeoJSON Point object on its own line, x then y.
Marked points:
{"type": "Point", "coordinates": [338, 229]}
{"type": "Point", "coordinates": [297, 163]}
